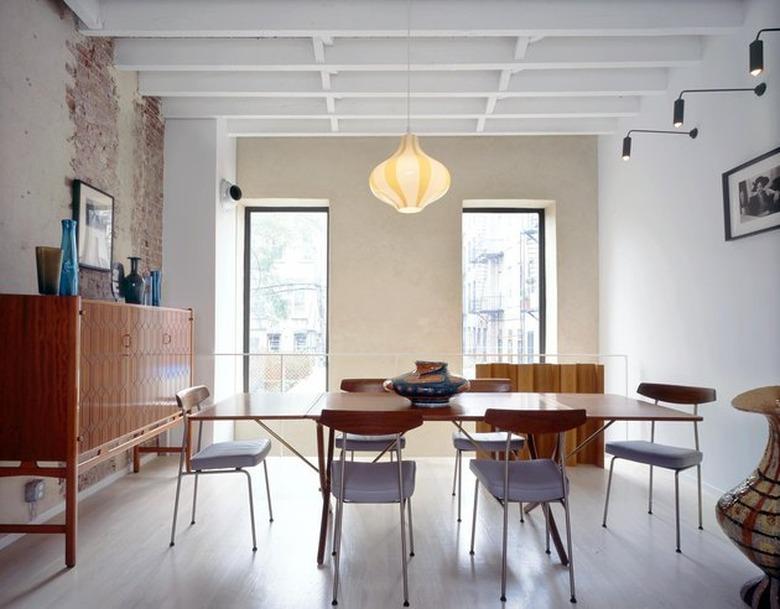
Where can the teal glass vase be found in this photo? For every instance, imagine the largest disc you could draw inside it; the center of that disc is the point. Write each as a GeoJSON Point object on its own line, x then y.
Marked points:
{"type": "Point", "coordinates": [69, 272]}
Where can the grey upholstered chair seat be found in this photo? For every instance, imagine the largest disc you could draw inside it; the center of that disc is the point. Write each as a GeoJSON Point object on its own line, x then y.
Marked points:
{"type": "Point", "coordinates": [228, 455]}
{"type": "Point", "coordinates": [367, 443]}
{"type": "Point", "coordinates": [535, 480]}
{"type": "Point", "coordinates": [372, 482]}
{"type": "Point", "coordinates": [490, 441]}
{"type": "Point", "coordinates": [650, 453]}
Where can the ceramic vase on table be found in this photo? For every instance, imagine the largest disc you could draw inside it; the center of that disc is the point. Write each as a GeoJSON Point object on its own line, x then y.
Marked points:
{"type": "Point", "coordinates": [69, 272]}
{"type": "Point", "coordinates": [430, 384]}
{"type": "Point", "coordinates": [134, 284]}
{"type": "Point", "coordinates": [749, 514]}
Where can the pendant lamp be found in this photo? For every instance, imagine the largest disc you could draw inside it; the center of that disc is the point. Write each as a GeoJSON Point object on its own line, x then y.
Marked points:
{"type": "Point", "coordinates": [410, 179]}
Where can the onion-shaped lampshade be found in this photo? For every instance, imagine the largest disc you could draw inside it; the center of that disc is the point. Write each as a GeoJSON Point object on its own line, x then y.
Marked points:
{"type": "Point", "coordinates": [410, 179]}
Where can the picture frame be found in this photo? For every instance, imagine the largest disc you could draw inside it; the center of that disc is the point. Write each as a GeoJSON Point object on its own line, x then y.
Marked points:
{"type": "Point", "coordinates": [93, 210]}
{"type": "Point", "coordinates": [751, 196]}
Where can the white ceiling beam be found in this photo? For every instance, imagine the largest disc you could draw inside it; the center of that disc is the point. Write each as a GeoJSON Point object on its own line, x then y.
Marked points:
{"type": "Point", "coordinates": [521, 47]}
{"type": "Point", "coordinates": [393, 84]}
{"type": "Point", "coordinates": [529, 107]}
{"type": "Point", "coordinates": [88, 11]}
{"type": "Point", "coordinates": [285, 55]}
{"type": "Point", "coordinates": [340, 18]}
{"type": "Point", "coordinates": [393, 127]}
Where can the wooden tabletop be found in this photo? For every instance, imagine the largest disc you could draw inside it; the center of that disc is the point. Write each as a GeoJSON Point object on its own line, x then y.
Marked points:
{"type": "Point", "coordinates": [260, 405]}
{"type": "Point", "coordinates": [463, 407]}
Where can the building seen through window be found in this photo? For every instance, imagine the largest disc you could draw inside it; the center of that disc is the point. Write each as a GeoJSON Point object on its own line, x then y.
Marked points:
{"type": "Point", "coordinates": [502, 285]}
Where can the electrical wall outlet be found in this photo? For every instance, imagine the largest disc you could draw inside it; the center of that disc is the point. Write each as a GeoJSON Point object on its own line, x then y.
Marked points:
{"type": "Point", "coordinates": [33, 490]}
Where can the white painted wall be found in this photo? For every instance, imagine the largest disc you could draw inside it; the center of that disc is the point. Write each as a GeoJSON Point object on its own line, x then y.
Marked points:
{"type": "Point", "coordinates": [687, 306]}
{"type": "Point", "coordinates": [199, 244]}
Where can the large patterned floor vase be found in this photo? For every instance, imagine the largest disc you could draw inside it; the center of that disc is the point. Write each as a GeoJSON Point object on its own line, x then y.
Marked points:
{"type": "Point", "coordinates": [749, 514]}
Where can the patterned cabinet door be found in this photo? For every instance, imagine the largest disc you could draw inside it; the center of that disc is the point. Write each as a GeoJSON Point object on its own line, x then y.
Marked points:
{"type": "Point", "coordinates": [103, 384]}
{"type": "Point", "coordinates": [131, 367]}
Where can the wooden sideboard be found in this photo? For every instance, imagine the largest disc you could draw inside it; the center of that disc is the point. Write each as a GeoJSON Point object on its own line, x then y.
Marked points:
{"type": "Point", "coordinates": [557, 378]}
{"type": "Point", "coordinates": [83, 381]}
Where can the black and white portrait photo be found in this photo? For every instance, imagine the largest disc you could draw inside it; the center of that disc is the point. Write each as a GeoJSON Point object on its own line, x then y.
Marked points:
{"type": "Point", "coordinates": [93, 209]}
{"type": "Point", "coordinates": [751, 196]}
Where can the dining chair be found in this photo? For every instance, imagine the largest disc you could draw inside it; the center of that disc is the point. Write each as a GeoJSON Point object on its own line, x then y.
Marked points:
{"type": "Point", "coordinates": [488, 441]}
{"type": "Point", "coordinates": [361, 482]}
{"type": "Point", "coordinates": [359, 443]}
{"type": "Point", "coordinates": [651, 453]}
{"type": "Point", "coordinates": [217, 458]}
{"type": "Point", "coordinates": [542, 481]}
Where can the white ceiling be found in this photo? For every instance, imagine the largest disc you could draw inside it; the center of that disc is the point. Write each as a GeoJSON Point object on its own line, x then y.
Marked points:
{"type": "Point", "coordinates": [338, 67]}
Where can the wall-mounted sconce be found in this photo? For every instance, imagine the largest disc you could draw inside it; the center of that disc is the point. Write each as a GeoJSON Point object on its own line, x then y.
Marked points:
{"type": "Point", "coordinates": [679, 103]}
{"type": "Point", "coordinates": [757, 51]}
{"type": "Point", "coordinates": [627, 140]}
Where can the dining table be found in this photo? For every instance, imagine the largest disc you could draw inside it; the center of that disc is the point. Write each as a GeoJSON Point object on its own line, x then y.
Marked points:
{"type": "Point", "coordinates": [264, 407]}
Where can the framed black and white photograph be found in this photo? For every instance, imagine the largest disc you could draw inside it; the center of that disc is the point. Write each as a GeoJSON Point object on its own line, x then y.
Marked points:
{"type": "Point", "coordinates": [93, 209]}
{"type": "Point", "coordinates": [751, 196]}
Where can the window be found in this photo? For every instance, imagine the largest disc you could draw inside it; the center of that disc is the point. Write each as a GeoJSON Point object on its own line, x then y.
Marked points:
{"type": "Point", "coordinates": [286, 298]}
{"type": "Point", "coordinates": [503, 284]}
{"type": "Point", "coordinates": [273, 342]}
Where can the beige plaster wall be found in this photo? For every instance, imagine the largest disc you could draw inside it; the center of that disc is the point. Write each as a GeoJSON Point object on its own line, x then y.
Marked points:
{"type": "Point", "coordinates": [395, 280]}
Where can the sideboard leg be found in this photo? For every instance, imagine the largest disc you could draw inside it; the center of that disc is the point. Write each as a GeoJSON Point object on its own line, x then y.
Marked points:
{"type": "Point", "coordinates": [71, 512]}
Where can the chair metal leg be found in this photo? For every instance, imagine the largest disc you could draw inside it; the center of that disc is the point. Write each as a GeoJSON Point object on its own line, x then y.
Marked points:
{"type": "Point", "coordinates": [546, 511]}
{"type": "Point", "coordinates": [337, 546]}
{"type": "Point", "coordinates": [403, 532]}
{"type": "Point", "coordinates": [650, 494]}
{"type": "Point", "coordinates": [352, 455]}
{"type": "Point", "coordinates": [194, 498]}
{"type": "Point", "coordinates": [573, 598]}
{"type": "Point", "coordinates": [677, 507]}
{"type": "Point", "coordinates": [474, 516]}
{"type": "Point", "coordinates": [268, 492]}
{"type": "Point", "coordinates": [522, 517]}
{"type": "Point", "coordinates": [460, 480]}
{"type": "Point", "coordinates": [609, 487]}
{"type": "Point", "coordinates": [698, 490]}
{"type": "Point", "coordinates": [411, 527]}
{"type": "Point", "coordinates": [455, 474]}
{"type": "Point", "coordinates": [505, 536]}
{"type": "Point", "coordinates": [251, 508]}
{"type": "Point", "coordinates": [178, 493]}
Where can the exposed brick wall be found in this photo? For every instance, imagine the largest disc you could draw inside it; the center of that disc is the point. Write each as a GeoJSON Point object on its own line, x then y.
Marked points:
{"type": "Point", "coordinates": [93, 104]}
{"type": "Point", "coordinates": [147, 182]}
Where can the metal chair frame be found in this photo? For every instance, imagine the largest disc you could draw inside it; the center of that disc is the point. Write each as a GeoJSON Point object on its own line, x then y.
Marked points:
{"type": "Point", "coordinates": [560, 460]}
{"type": "Point", "coordinates": [676, 481]}
{"type": "Point", "coordinates": [196, 473]}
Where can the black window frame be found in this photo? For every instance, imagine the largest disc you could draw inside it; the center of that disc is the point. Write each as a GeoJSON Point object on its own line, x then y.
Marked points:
{"type": "Point", "coordinates": [248, 211]}
{"type": "Point", "coordinates": [539, 212]}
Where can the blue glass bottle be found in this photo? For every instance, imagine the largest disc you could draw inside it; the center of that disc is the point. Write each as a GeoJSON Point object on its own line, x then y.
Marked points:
{"type": "Point", "coordinates": [156, 277]}
{"type": "Point", "coordinates": [69, 274]}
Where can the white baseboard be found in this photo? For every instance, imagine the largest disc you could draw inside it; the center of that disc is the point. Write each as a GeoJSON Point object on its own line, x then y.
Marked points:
{"type": "Point", "coordinates": [55, 510]}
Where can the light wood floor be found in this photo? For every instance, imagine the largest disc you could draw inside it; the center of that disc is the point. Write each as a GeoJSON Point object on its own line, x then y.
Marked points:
{"type": "Point", "coordinates": [125, 561]}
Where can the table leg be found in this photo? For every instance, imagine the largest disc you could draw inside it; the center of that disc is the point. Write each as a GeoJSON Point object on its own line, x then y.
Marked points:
{"type": "Point", "coordinates": [556, 536]}
{"type": "Point", "coordinates": [324, 487]}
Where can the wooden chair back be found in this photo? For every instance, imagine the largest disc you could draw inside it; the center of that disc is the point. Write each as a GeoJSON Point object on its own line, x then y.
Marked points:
{"type": "Point", "coordinates": [535, 422]}
{"type": "Point", "coordinates": [358, 385]}
{"type": "Point", "coordinates": [677, 394]}
{"type": "Point", "coordinates": [490, 385]}
{"type": "Point", "coordinates": [192, 398]}
{"type": "Point", "coordinates": [371, 423]}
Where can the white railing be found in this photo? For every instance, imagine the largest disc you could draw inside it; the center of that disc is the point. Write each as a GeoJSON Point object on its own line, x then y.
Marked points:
{"type": "Point", "coordinates": [283, 371]}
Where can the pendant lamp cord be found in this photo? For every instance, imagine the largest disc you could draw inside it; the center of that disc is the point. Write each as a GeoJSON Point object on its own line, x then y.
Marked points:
{"type": "Point", "coordinates": [408, 64]}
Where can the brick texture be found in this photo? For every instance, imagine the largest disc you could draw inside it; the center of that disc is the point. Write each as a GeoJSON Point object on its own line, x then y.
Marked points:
{"type": "Point", "coordinates": [93, 104]}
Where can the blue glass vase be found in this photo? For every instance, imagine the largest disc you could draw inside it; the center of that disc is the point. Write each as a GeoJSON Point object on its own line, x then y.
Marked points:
{"type": "Point", "coordinates": [69, 273]}
{"type": "Point", "coordinates": [156, 278]}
